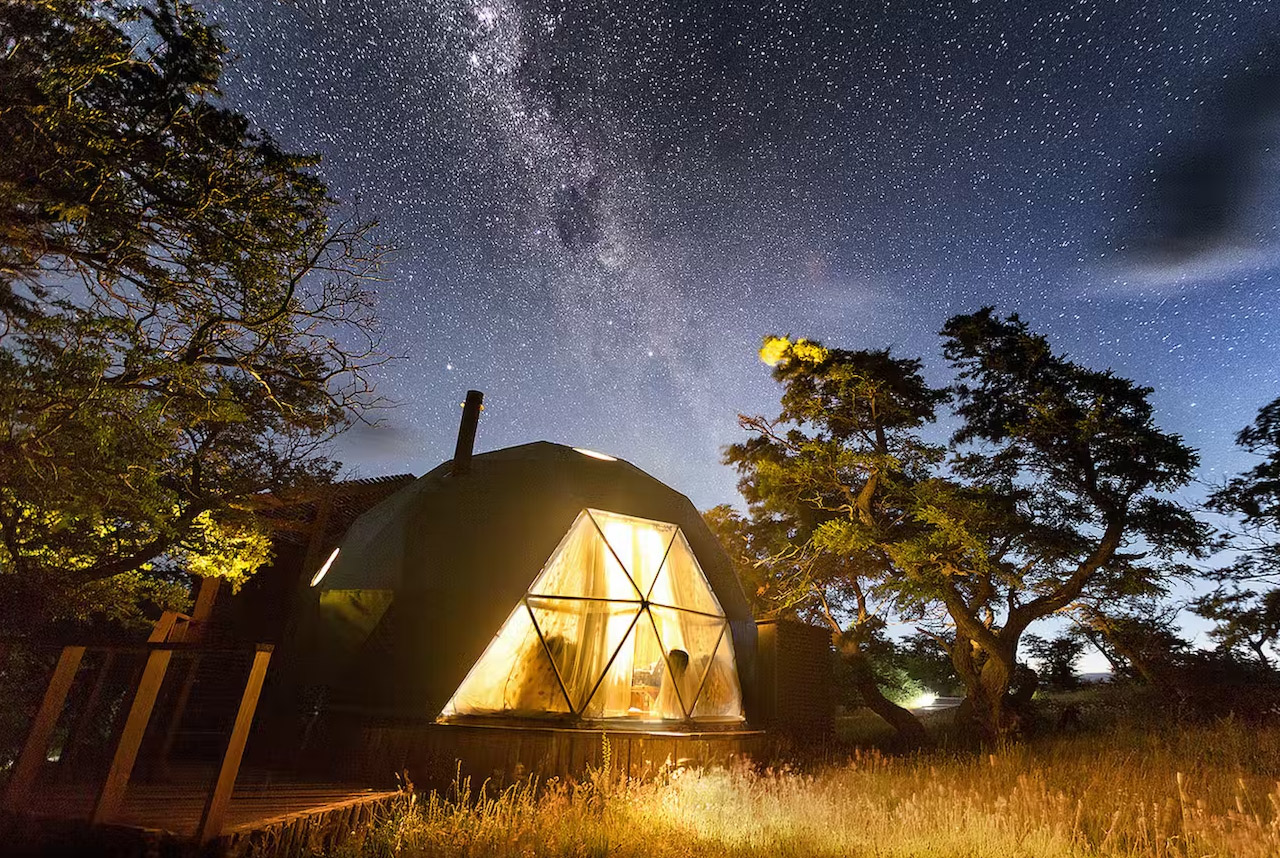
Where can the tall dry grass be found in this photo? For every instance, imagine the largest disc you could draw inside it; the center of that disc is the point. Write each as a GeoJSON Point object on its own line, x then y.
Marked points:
{"type": "Point", "coordinates": [1209, 791]}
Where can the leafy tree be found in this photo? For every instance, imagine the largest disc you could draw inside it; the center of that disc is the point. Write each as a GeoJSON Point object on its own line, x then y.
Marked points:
{"type": "Point", "coordinates": [1077, 454]}
{"type": "Point", "coordinates": [894, 678]}
{"type": "Point", "coordinates": [1057, 657]}
{"type": "Point", "coordinates": [1246, 620]}
{"type": "Point", "coordinates": [1054, 472]}
{"type": "Point", "coordinates": [928, 662]}
{"type": "Point", "coordinates": [1249, 617]}
{"type": "Point", "coordinates": [1255, 494]}
{"type": "Point", "coordinates": [184, 320]}
{"type": "Point", "coordinates": [743, 543]}
{"type": "Point", "coordinates": [871, 667]}
{"type": "Point", "coordinates": [831, 480]}
{"type": "Point", "coordinates": [1138, 637]}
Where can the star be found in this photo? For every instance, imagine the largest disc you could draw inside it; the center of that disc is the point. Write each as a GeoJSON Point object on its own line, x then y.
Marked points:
{"type": "Point", "coordinates": [569, 185]}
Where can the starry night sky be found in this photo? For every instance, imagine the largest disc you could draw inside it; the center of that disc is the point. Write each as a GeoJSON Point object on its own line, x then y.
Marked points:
{"type": "Point", "coordinates": [600, 207]}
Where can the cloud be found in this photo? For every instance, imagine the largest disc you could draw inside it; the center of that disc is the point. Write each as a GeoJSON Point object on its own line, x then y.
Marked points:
{"type": "Point", "coordinates": [1198, 220]}
{"type": "Point", "coordinates": [381, 447]}
{"type": "Point", "coordinates": [1157, 276]}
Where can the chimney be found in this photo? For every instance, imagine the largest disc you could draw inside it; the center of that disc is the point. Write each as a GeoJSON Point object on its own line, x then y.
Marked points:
{"type": "Point", "coordinates": [467, 432]}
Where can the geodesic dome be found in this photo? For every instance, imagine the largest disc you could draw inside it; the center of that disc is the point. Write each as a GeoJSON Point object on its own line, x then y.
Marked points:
{"type": "Point", "coordinates": [545, 584]}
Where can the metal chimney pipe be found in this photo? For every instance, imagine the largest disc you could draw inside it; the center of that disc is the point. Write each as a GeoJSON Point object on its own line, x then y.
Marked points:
{"type": "Point", "coordinates": [467, 432]}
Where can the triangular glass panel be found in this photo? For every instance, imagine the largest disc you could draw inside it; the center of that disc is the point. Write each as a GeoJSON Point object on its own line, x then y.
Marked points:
{"type": "Point", "coordinates": [720, 698]}
{"type": "Point", "coordinates": [638, 543]}
{"type": "Point", "coordinates": [582, 635]}
{"type": "Point", "coordinates": [347, 620]}
{"type": "Point", "coordinates": [681, 583]}
{"type": "Point", "coordinates": [351, 616]}
{"type": "Point", "coordinates": [689, 638]}
{"type": "Point", "coordinates": [637, 684]}
{"type": "Point", "coordinates": [586, 640]}
{"type": "Point", "coordinates": [583, 566]}
{"type": "Point", "coordinates": [514, 676]}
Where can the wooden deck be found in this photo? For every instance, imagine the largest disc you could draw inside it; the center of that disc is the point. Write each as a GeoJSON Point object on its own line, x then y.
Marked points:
{"type": "Point", "coordinates": [282, 813]}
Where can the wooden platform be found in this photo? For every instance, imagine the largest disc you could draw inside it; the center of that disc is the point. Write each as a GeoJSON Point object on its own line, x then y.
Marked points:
{"type": "Point", "coordinates": [278, 815]}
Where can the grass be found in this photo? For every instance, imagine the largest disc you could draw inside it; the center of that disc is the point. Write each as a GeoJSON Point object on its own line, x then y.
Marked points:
{"type": "Point", "coordinates": [1194, 791]}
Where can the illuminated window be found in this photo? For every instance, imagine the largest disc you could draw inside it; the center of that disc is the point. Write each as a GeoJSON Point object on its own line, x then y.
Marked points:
{"type": "Point", "coordinates": [604, 457]}
{"type": "Point", "coordinates": [324, 570]}
{"type": "Point", "coordinates": [619, 624]}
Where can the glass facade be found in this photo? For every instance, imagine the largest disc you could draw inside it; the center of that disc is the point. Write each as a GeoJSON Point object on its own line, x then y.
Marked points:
{"type": "Point", "coordinates": [620, 624]}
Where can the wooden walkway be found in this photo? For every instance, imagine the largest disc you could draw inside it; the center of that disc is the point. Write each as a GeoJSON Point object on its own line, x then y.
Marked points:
{"type": "Point", "coordinates": [287, 814]}
{"type": "Point", "coordinates": [175, 809]}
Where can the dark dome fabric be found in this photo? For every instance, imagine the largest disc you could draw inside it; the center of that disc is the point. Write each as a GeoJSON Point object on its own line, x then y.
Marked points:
{"type": "Point", "coordinates": [423, 581]}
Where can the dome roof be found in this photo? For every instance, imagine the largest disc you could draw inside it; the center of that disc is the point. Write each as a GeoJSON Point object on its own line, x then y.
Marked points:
{"type": "Point", "coordinates": [423, 581]}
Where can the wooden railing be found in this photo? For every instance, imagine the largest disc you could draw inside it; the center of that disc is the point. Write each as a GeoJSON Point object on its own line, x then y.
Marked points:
{"type": "Point", "coordinates": [167, 639]}
{"type": "Point", "coordinates": [173, 627]}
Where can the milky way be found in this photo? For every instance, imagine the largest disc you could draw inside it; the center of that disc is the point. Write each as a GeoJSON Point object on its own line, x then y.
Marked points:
{"type": "Point", "coordinates": [600, 207]}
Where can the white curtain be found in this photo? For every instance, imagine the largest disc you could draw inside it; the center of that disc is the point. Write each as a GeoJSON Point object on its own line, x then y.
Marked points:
{"type": "Point", "coordinates": [620, 623]}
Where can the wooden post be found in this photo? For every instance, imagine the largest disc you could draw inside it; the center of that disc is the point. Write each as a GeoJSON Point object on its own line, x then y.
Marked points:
{"type": "Point", "coordinates": [205, 597]}
{"type": "Point", "coordinates": [35, 749]}
{"type": "Point", "coordinates": [160, 631]}
{"type": "Point", "coordinates": [215, 809]}
{"type": "Point", "coordinates": [462, 451]}
{"type": "Point", "coordinates": [135, 727]}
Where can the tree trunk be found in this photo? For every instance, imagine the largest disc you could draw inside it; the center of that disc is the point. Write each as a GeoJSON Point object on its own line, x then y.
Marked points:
{"type": "Point", "coordinates": [1102, 645]}
{"type": "Point", "coordinates": [992, 706]}
{"type": "Point", "coordinates": [1258, 647]}
{"type": "Point", "coordinates": [904, 723]}
{"type": "Point", "coordinates": [1144, 668]}
{"type": "Point", "coordinates": [988, 677]}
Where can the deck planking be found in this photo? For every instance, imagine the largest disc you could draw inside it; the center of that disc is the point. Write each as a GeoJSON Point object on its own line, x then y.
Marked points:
{"type": "Point", "coordinates": [259, 801]}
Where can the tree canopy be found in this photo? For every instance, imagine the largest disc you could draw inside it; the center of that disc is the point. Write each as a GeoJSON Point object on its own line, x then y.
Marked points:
{"type": "Point", "coordinates": [184, 310]}
{"type": "Point", "coordinates": [1247, 612]}
{"type": "Point", "coordinates": [1051, 490]}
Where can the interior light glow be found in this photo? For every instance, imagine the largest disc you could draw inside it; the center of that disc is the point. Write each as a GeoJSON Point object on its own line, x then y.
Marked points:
{"type": "Point", "coordinates": [324, 570]}
{"type": "Point", "coordinates": [586, 642]}
{"type": "Point", "coordinates": [593, 454]}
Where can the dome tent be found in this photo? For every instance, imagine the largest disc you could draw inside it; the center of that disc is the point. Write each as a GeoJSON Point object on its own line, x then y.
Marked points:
{"type": "Point", "coordinates": [543, 583]}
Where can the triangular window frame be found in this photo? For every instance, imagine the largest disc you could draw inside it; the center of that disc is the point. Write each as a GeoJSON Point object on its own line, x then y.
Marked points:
{"type": "Point", "coordinates": [542, 592]}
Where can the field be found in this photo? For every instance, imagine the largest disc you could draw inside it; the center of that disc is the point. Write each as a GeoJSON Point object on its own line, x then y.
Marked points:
{"type": "Point", "coordinates": [1196, 791]}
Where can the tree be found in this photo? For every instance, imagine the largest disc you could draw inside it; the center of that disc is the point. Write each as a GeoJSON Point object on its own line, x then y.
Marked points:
{"type": "Point", "coordinates": [1245, 620]}
{"type": "Point", "coordinates": [185, 318]}
{"type": "Point", "coordinates": [741, 540]}
{"type": "Point", "coordinates": [1078, 457]}
{"type": "Point", "coordinates": [1255, 494]}
{"type": "Point", "coordinates": [1138, 637]}
{"type": "Point", "coordinates": [831, 479]}
{"type": "Point", "coordinates": [871, 672]}
{"type": "Point", "coordinates": [1055, 471]}
{"type": "Point", "coordinates": [1057, 657]}
{"type": "Point", "coordinates": [922, 658]}
{"type": "Point", "coordinates": [1248, 617]}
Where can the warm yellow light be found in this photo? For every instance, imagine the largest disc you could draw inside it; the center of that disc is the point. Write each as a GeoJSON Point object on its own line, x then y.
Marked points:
{"type": "Point", "coordinates": [585, 641]}
{"type": "Point", "coordinates": [923, 701]}
{"type": "Point", "coordinates": [774, 349]}
{"type": "Point", "coordinates": [324, 570]}
{"type": "Point", "coordinates": [605, 457]}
